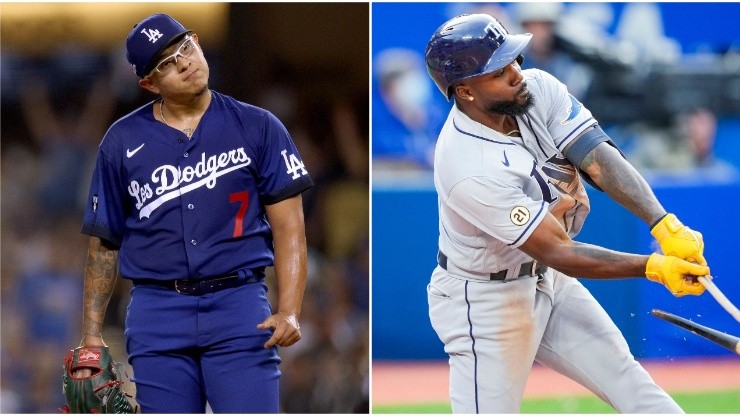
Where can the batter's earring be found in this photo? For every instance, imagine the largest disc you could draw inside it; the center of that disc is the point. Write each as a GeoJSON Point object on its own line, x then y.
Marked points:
{"type": "Point", "coordinates": [470, 98]}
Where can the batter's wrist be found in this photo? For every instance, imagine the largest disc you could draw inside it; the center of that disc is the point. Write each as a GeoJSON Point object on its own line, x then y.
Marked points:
{"type": "Point", "coordinates": [656, 222]}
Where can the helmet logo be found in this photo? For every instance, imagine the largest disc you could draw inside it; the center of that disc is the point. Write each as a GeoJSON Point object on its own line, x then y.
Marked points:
{"type": "Point", "coordinates": [496, 33]}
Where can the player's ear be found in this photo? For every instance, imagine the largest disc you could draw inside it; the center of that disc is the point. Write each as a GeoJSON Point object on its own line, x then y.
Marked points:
{"type": "Point", "coordinates": [148, 85]}
{"type": "Point", "coordinates": [463, 93]}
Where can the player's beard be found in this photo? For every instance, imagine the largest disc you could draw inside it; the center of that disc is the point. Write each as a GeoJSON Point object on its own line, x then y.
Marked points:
{"type": "Point", "coordinates": [513, 107]}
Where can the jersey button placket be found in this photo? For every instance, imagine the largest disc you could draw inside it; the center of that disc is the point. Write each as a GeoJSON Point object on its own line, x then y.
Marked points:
{"type": "Point", "coordinates": [188, 208]}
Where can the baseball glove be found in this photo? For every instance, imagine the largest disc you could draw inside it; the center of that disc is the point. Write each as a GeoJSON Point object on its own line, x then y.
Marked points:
{"type": "Point", "coordinates": [102, 391]}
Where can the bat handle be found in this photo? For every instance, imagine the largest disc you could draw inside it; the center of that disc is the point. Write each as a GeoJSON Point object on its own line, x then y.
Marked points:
{"type": "Point", "coordinates": [719, 296]}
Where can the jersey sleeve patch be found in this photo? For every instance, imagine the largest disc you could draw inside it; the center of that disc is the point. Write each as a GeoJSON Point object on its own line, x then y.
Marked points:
{"type": "Point", "coordinates": [281, 169]}
{"type": "Point", "coordinates": [528, 229]}
{"type": "Point", "coordinates": [104, 211]}
{"type": "Point", "coordinates": [497, 208]}
{"type": "Point", "coordinates": [573, 110]}
{"type": "Point", "coordinates": [565, 116]}
{"type": "Point", "coordinates": [519, 215]}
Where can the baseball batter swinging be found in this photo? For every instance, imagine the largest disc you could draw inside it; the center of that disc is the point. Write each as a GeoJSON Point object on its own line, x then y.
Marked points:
{"type": "Point", "coordinates": [508, 171]}
{"type": "Point", "coordinates": [193, 195]}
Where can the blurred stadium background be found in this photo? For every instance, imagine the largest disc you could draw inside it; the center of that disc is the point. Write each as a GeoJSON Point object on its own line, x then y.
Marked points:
{"type": "Point", "coordinates": [64, 79]}
{"type": "Point", "coordinates": [663, 79]}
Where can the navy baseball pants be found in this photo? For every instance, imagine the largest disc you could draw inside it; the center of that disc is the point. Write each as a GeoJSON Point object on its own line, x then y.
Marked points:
{"type": "Point", "coordinates": [186, 350]}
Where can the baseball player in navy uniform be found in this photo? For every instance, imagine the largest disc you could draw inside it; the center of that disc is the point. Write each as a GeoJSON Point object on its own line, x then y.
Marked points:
{"type": "Point", "coordinates": [508, 170]}
{"type": "Point", "coordinates": [193, 196]}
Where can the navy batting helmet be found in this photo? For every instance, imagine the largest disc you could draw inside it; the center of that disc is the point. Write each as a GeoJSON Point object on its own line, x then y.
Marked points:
{"type": "Point", "coordinates": [470, 45]}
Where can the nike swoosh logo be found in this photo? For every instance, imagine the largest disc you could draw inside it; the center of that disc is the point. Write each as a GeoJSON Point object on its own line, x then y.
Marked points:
{"type": "Point", "coordinates": [506, 159]}
{"type": "Point", "coordinates": [130, 153]}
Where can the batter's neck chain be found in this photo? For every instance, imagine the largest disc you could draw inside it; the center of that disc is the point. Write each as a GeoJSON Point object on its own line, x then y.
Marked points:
{"type": "Point", "coordinates": [188, 130]}
{"type": "Point", "coordinates": [514, 127]}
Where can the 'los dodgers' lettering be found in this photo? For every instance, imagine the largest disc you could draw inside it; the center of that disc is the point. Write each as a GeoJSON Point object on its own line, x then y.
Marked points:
{"type": "Point", "coordinates": [170, 178]}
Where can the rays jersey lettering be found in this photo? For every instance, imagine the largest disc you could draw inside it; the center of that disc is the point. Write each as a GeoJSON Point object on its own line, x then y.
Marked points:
{"type": "Point", "coordinates": [571, 198]}
{"type": "Point", "coordinates": [168, 180]}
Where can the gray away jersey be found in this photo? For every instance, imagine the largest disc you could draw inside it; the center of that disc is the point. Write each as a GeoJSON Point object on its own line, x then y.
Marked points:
{"type": "Point", "coordinates": [494, 189]}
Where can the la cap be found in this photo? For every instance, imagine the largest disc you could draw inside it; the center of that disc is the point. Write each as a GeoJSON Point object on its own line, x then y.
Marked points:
{"type": "Point", "coordinates": [148, 39]}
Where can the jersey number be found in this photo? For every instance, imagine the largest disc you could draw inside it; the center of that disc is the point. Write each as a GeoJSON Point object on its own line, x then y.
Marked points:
{"type": "Point", "coordinates": [546, 194]}
{"type": "Point", "coordinates": [243, 198]}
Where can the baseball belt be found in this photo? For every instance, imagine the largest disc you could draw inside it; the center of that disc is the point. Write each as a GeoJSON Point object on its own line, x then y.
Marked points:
{"type": "Point", "coordinates": [530, 268]}
{"type": "Point", "coordinates": [196, 287]}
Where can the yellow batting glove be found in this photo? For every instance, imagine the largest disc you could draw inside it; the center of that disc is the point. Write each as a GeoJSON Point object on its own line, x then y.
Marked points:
{"type": "Point", "coordinates": [676, 274]}
{"type": "Point", "coordinates": [678, 240]}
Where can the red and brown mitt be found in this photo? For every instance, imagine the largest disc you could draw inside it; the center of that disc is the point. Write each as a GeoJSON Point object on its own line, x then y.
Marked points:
{"type": "Point", "coordinates": [102, 391]}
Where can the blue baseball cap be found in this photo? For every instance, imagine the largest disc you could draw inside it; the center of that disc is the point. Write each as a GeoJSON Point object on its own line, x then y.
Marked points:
{"type": "Point", "coordinates": [148, 39]}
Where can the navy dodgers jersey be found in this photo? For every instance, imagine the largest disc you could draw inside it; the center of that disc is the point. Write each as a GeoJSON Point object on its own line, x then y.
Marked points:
{"type": "Point", "coordinates": [495, 189]}
{"type": "Point", "coordinates": [180, 208]}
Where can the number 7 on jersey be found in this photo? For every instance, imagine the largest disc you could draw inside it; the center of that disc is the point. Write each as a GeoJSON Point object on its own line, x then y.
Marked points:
{"type": "Point", "coordinates": [243, 198]}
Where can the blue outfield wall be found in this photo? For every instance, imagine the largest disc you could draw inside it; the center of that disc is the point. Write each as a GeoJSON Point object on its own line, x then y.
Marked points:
{"type": "Point", "coordinates": [404, 251]}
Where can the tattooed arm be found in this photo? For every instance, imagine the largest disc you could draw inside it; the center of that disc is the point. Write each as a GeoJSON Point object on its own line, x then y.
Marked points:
{"type": "Point", "coordinates": [550, 244]}
{"type": "Point", "coordinates": [621, 181]}
{"type": "Point", "coordinates": [101, 274]}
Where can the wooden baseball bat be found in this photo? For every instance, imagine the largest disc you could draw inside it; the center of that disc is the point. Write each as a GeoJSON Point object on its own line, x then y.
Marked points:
{"type": "Point", "coordinates": [719, 296]}
{"type": "Point", "coordinates": [728, 341]}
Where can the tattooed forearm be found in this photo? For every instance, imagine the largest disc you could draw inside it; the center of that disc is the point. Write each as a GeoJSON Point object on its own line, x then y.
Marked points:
{"type": "Point", "coordinates": [92, 327]}
{"type": "Point", "coordinates": [101, 274]}
{"type": "Point", "coordinates": [622, 182]}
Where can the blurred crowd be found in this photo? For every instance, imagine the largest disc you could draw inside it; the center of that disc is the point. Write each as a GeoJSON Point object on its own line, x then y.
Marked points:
{"type": "Point", "coordinates": [612, 71]}
{"type": "Point", "coordinates": [55, 111]}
